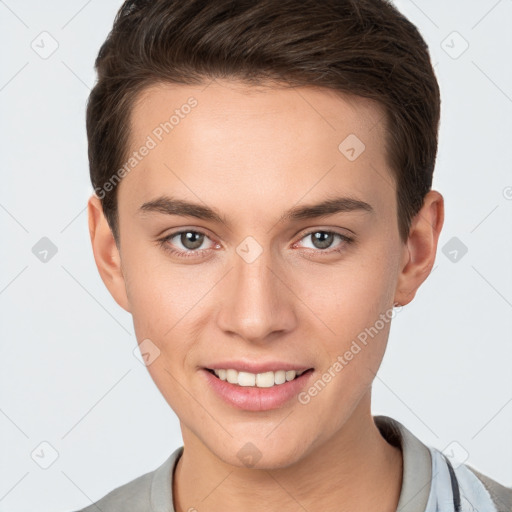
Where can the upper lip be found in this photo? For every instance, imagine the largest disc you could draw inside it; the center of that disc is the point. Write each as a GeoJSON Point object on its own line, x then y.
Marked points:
{"type": "Point", "coordinates": [254, 367]}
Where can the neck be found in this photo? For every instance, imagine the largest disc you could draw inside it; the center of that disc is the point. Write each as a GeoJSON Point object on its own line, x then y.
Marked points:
{"type": "Point", "coordinates": [355, 470]}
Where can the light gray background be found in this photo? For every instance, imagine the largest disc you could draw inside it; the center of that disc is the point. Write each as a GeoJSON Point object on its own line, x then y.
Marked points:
{"type": "Point", "coordinates": [68, 374]}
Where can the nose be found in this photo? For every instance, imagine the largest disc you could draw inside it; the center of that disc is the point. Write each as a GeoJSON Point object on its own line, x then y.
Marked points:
{"type": "Point", "coordinates": [255, 300]}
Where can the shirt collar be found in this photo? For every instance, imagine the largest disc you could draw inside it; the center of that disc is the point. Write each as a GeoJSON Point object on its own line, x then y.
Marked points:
{"type": "Point", "coordinates": [417, 464]}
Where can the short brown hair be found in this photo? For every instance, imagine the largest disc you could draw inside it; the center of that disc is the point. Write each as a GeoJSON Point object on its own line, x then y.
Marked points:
{"type": "Point", "coordinates": [361, 47]}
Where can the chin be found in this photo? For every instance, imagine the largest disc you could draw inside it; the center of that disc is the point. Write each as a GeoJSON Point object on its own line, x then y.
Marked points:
{"type": "Point", "coordinates": [261, 453]}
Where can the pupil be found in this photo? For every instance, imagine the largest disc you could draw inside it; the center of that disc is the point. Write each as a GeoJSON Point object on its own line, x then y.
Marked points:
{"type": "Point", "coordinates": [191, 240]}
{"type": "Point", "coordinates": [322, 239]}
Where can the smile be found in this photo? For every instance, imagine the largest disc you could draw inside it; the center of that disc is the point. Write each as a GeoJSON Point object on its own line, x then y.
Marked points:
{"type": "Point", "coordinates": [257, 391]}
{"type": "Point", "coordinates": [260, 380]}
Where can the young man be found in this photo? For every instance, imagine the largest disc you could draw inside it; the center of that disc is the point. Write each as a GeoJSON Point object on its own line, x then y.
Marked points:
{"type": "Point", "coordinates": [262, 175]}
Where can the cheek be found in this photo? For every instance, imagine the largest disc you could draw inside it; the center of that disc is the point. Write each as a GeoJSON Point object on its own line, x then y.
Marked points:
{"type": "Point", "coordinates": [166, 308]}
{"type": "Point", "coordinates": [160, 293]}
{"type": "Point", "coordinates": [355, 305]}
{"type": "Point", "coordinates": [169, 305]}
{"type": "Point", "coordinates": [350, 297]}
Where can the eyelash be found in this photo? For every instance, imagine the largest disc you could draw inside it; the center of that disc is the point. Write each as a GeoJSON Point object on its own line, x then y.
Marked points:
{"type": "Point", "coordinates": [163, 242]}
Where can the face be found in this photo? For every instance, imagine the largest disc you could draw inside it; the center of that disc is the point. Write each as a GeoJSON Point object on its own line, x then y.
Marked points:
{"type": "Point", "coordinates": [252, 272]}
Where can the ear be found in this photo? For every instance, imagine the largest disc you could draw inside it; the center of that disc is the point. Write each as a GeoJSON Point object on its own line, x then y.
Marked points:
{"type": "Point", "coordinates": [106, 253]}
{"type": "Point", "coordinates": [421, 246]}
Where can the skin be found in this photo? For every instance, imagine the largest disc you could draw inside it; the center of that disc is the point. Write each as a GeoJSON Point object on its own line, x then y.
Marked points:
{"type": "Point", "coordinates": [253, 153]}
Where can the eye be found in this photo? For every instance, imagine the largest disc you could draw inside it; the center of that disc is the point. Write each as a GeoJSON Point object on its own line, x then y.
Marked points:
{"type": "Point", "coordinates": [323, 239]}
{"type": "Point", "coordinates": [185, 243]}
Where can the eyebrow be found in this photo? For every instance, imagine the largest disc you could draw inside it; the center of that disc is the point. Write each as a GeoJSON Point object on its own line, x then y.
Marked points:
{"type": "Point", "coordinates": [173, 206]}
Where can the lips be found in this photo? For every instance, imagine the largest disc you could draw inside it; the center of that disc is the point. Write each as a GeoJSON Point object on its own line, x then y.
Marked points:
{"type": "Point", "coordinates": [254, 398]}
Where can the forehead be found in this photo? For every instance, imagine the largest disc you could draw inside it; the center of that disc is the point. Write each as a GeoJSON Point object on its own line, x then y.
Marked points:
{"type": "Point", "coordinates": [245, 145]}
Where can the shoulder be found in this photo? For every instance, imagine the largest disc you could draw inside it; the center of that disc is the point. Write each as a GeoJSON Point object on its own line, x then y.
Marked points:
{"type": "Point", "coordinates": [473, 490]}
{"type": "Point", "coordinates": [142, 493]}
{"type": "Point", "coordinates": [135, 493]}
{"type": "Point", "coordinates": [500, 494]}
{"type": "Point", "coordinates": [441, 479]}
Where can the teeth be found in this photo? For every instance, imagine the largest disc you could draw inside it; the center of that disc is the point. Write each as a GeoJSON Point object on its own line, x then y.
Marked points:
{"type": "Point", "coordinates": [280, 377]}
{"type": "Point", "coordinates": [246, 379]}
{"type": "Point", "coordinates": [290, 375]}
{"type": "Point", "coordinates": [260, 380]}
{"type": "Point", "coordinates": [231, 376]}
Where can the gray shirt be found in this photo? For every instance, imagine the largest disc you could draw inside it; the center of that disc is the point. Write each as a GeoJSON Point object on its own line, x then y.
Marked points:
{"type": "Point", "coordinates": [453, 487]}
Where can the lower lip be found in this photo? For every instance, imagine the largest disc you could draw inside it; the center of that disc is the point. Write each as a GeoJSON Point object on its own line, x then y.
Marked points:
{"type": "Point", "coordinates": [251, 398]}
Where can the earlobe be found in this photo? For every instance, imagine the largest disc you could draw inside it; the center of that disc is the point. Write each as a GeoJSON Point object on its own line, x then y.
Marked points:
{"type": "Point", "coordinates": [421, 247]}
{"type": "Point", "coordinates": [106, 253]}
